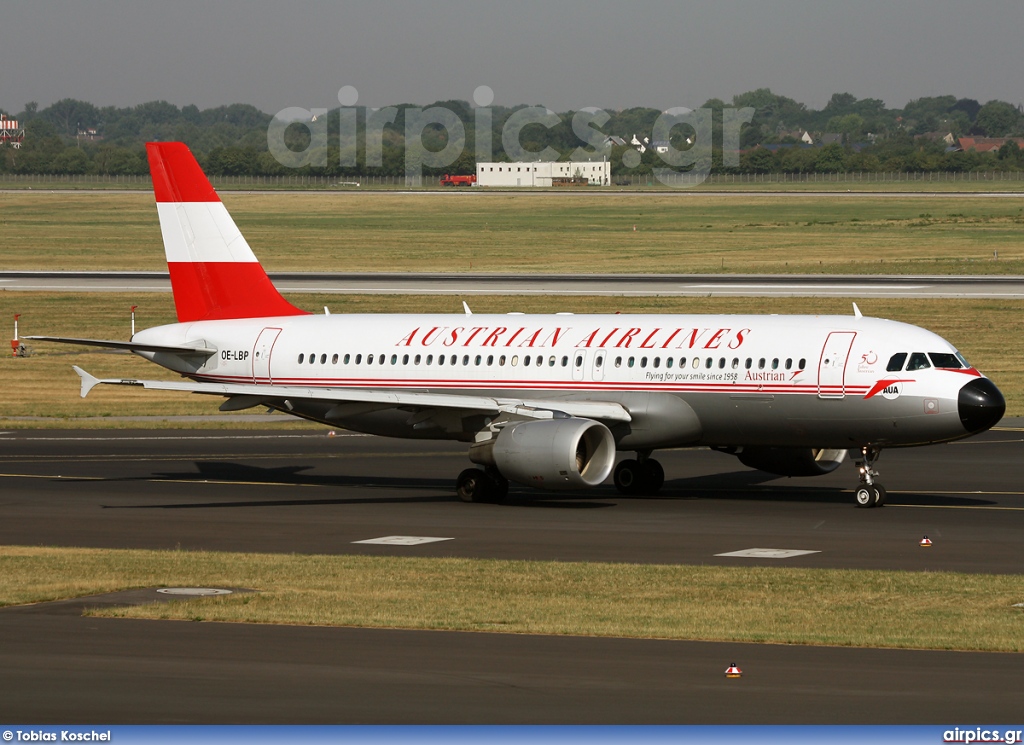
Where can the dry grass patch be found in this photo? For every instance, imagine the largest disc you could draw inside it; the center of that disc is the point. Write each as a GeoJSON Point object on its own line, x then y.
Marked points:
{"type": "Point", "coordinates": [795, 606]}
{"type": "Point", "coordinates": [551, 232]}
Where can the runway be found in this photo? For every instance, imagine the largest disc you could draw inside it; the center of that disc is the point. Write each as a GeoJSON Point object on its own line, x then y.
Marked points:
{"type": "Point", "coordinates": [304, 492]}
{"type": "Point", "coordinates": [622, 285]}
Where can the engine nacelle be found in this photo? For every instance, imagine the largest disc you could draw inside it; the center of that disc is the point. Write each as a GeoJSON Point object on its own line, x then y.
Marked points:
{"type": "Point", "coordinates": [792, 461]}
{"type": "Point", "coordinates": [569, 453]}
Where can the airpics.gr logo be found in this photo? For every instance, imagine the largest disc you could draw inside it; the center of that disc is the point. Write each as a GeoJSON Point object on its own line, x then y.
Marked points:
{"type": "Point", "coordinates": [692, 162]}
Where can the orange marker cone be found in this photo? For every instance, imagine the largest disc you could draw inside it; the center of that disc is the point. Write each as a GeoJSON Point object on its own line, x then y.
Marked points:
{"type": "Point", "coordinates": [925, 542]}
{"type": "Point", "coordinates": [331, 433]}
{"type": "Point", "coordinates": [733, 671]}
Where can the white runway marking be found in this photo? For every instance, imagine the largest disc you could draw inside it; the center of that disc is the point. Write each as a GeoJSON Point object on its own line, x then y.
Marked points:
{"type": "Point", "coordinates": [768, 553]}
{"type": "Point", "coordinates": [403, 540]}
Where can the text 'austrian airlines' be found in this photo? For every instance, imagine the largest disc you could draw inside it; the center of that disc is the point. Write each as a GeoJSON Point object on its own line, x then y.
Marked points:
{"type": "Point", "coordinates": [548, 400]}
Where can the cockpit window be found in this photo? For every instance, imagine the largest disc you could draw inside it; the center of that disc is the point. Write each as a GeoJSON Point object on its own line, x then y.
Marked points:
{"type": "Point", "coordinates": [945, 361]}
{"type": "Point", "coordinates": [896, 362]}
{"type": "Point", "coordinates": [918, 361]}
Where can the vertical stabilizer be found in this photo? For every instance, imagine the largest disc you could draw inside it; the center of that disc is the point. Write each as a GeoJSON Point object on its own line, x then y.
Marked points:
{"type": "Point", "coordinates": [214, 273]}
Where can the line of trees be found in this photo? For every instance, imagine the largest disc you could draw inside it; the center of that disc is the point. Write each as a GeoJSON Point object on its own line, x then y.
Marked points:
{"type": "Point", "coordinates": [76, 137]}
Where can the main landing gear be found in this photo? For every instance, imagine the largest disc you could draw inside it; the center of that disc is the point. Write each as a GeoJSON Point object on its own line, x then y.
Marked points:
{"type": "Point", "coordinates": [870, 493]}
{"type": "Point", "coordinates": [482, 485]}
{"type": "Point", "coordinates": [641, 477]}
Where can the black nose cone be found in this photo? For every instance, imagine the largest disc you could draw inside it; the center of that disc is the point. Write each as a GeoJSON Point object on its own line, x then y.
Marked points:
{"type": "Point", "coordinates": [980, 404]}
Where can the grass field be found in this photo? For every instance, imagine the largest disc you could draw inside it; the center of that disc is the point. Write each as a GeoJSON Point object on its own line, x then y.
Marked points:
{"type": "Point", "coordinates": [932, 610]}
{"type": "Point", "coordinates": [44, 385]}
{"type": "Point", "coordinates": [524, 233]}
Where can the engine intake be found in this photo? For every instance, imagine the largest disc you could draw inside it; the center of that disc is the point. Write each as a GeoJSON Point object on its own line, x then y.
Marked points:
{"type": "Point", "coordinates": [792, 461]}
{"type": "Point", "coordinates": [568, 453]}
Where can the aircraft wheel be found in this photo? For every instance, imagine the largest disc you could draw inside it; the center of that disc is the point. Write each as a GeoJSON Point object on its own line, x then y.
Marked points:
{"type": "Point", "coordinates": [496, 490]}
{"type": "Point", "coordinates": [471, 485]}
{"type": "Point", "coordinates": [879, 494]}
{"type": "Point", "coordinates": [474, 485]}
{"type": "Point", "coordinates": [653, 477]}
{"type": "Point", "coordinates": [628, 477]}
{"type": "Point", "coordinates": [865, 496]}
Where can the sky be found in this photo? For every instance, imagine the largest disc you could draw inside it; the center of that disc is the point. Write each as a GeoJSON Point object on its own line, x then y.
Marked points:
{"type": "Point", "coordinates": [563, 54]}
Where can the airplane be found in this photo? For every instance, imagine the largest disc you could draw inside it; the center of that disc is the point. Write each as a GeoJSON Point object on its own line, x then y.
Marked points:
{"type": "Point", "coordinates": [548, 400]}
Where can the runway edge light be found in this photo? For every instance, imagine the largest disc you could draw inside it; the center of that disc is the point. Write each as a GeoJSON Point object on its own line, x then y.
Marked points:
{"type": "Point", "coordinates": [733, 671]}
{"type": "Point", "coordinates": [926, 542]}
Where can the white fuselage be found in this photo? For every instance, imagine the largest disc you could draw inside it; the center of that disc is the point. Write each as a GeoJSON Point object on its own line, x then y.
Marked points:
{"type": "Point", "coordinates": [815, 381]}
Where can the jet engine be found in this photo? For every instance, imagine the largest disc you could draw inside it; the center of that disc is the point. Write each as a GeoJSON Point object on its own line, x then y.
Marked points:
{"type": "Point", "coordinates": [570, 453]}
{"type": "Point", "coordinates": [792, 461]}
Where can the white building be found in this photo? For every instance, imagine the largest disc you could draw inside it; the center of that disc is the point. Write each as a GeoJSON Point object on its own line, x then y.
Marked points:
{"type": "Point", "coordinates": [595, 173]}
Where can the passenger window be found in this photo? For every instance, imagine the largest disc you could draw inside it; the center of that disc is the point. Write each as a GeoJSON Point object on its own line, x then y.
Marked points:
{"type": "Point", "coordinates": [359, 359]}
{"type": "Point", "coordinates": [323, 359]}
{"type": "Point", "coordinates": [476, 360]}
{"type": "Point", "coordinates": [515, 360]}
{"type": "Point", "coordinates": [747, 363]}
{"type": "Point", "coordinates": [896, 362]}
{"type": "Point", "coordinates": [440, 359]}
{"type": "Point", "coordinates": [643, 362]}
{"type": "Point", "coordinates": [803, 363]}
{"type": "Point", "coordinates": [334, 360]}
{"type": "Point", "coordinates": [945, 360]}
{"type": "Point", "coordinates": [301, 357]}
{"type": "Point", "coordinates": [405, 359]}
{"type": "Point", "coordinates": [721, 363]}
{"type": "Point", "coordinates": [657, 361]}
{"type": "Point", "coordinates": [579, 360]}
{"type": "Point", "coordinates": [630, 363]}
{"type": "Point", "coordinates": [416, 360]}
{"type": "Point", "coordinates": [526, 360]}
{"type": "Point", "coordinates": [551, 361]}
{"type": "Point", "coordinates": [312, 358]}
{"type": "Point", "coordinates": [430, 359]}
{"type": "Point", "coordinates": [775, 364]}
{"type": "Point", "coordinates": [760, 364]}
{"type": "Point", "coordinates": [618, 362]}
{"type": "Point", "coordinates": [490, 360]}
{"type": "Point", "coordinates": [348, 358]}
{"type": "Point", "coordinates": [918, 361]}
{"type": "Point", "coordinates": [501, 361]}
{"type": "Point", "coordinates": [565, 361]}
{"type": "Point", "coordinates": [735, 362]}
{"type": "Point", "coordinates": [668, 362]}
{"type": "Point", "coordinates": [789, 363]}
{"type": "Point", "coordinates": [708, 363]}
{"type": "Point", "coordinates": [696, 363]}
{"type": "Point", "coordinates": [465, 360]}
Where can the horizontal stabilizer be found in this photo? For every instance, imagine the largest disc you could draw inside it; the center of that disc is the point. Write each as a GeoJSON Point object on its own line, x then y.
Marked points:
{"type": "Point", "coordinates": [88, 381]}
{"type": "Point", "coordinates": [199, 349]}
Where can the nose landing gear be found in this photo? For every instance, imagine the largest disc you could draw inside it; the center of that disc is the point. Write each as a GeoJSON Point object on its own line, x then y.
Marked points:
{"type": "Point", "coordinates": [870, 493]}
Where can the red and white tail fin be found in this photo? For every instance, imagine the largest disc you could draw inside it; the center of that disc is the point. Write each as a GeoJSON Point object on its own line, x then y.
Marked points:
{"type": "Point", "coordinates": [214, 273]}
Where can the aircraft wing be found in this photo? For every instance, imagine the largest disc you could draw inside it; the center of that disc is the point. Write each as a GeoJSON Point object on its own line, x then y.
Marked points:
{"type": "Point", "coordinates": [198, 349]}
{"type": "Point", "coordinates": [243, 396]}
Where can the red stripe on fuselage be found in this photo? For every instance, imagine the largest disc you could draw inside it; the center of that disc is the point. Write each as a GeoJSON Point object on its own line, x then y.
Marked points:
{"type": "Point", "coordinates": [177, 176]}
{"type": "Point", "coordinates": [215, 291]}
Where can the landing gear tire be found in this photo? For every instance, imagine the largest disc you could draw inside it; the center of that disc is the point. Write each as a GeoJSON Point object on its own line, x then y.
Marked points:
{"type": "Point", "coordinates": [474, 485]}
{"type": "Point", "coordinates": [879, 494]}
{"type": "Point", "coordinates": [865, 496]}
{"type": "Point", "coordinates": [627, 476]}
{"type": "Point", "coordinates": [635, 478]}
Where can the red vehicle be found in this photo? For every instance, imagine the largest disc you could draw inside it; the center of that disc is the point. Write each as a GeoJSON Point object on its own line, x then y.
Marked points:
{"type": "Point", "coordinates": [448, 180]}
